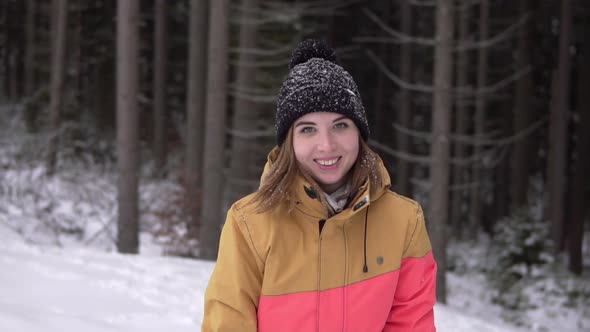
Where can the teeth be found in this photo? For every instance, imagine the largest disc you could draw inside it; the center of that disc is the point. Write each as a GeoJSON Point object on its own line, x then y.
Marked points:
{"type": "Point", "coordinates": [327, 162]}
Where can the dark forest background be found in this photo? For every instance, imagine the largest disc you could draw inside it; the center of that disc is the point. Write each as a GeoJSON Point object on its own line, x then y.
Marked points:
{"type": "Point", "coordinates": [477, 107]}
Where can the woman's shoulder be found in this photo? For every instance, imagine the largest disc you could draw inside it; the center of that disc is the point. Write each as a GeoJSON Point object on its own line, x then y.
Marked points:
{"type": "Point", "coordinates": [246, 210]}
{"type": "Point", "coordinates": [254, 225]}
{"type": "Point", "coordinates": [398, 205]}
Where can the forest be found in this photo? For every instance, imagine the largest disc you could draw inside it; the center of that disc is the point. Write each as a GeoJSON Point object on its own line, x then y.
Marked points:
{"type": "Point", "coordinates": [475, 106]}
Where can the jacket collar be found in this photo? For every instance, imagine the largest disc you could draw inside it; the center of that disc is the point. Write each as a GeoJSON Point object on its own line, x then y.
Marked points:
{"type": "Point", "coordinates": [307, 199]}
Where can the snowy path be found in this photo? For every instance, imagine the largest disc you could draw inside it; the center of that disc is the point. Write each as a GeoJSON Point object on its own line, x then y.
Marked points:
{"type": "Point", "coordinates": [56, 290]}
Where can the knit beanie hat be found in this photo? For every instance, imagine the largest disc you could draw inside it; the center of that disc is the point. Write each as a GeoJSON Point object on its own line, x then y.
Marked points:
{"type": "Point", "coordinates": [315, 83]}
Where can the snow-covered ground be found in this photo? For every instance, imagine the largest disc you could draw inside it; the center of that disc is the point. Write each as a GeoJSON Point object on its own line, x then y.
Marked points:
{"type": "Point", "coordinates": [59, 272]}
{"type": "Point", "coordinates": [52, 289]}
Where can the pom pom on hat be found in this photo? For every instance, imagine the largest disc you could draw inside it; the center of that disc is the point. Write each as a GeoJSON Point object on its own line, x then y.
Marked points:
{"type": "Point", "coordinates": [316, 83]}
{"type": "Point", "coordinates": [309, 49]}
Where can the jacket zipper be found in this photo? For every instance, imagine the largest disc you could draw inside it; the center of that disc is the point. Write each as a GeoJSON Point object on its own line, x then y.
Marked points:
{"type": "Point", "coordinates": [322, 223]}
{"type": "Point", "coordinates": [345, 288]}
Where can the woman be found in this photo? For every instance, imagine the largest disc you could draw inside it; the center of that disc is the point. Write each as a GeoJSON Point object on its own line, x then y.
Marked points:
{"type": "Point", "coordinates": [323, 245]}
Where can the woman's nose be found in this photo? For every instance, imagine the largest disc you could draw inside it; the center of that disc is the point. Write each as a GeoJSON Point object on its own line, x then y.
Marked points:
{"type": "Point", "coordinates": [326, 141]}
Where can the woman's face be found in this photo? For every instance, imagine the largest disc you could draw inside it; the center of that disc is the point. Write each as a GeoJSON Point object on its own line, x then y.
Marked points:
{"type": "Point", "coordinates": [326, 145]}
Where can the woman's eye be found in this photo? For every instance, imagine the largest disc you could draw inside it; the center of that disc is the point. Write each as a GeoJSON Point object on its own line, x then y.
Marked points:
{"type": "Point", "coordinates": [307, 129]}
{"type": "Point", "coordinates": [341, 125]}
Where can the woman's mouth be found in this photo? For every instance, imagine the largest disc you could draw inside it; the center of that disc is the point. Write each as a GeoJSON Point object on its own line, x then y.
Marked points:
{"type": "Point", "coordinates": [327, 162]}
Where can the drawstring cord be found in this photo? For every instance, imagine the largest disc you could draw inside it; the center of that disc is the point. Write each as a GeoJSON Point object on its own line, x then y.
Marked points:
{"type": "Point", "coordinates": [365, 268]}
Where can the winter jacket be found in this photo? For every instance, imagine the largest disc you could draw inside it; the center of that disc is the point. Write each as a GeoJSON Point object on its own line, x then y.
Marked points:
{"type": "Point", "coordinates": [284, 272]}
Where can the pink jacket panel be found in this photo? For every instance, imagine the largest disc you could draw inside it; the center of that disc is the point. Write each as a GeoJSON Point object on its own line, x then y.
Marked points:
{"type": "Point", "coordinates": [397, 301]}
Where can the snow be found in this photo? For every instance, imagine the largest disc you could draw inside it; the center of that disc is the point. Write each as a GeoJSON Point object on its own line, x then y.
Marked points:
{"type": "Point", "coordinates": [55, 289]}
{"type": "Point", "coordinates": [59, 270]}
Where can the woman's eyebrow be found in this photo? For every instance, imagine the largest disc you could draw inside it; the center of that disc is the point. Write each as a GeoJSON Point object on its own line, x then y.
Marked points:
{"type": "Point", "coordinates": [340, 118]}
{"type": "Point", "coordinates": [305, 123]}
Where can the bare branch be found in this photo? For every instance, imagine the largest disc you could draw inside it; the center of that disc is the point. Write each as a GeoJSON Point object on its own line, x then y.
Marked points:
{"type": "Point", "coordinates": [473, 140]}
{"type": "Point", "coordinates": [251, 133]}
{"type": "Point", "coordinates": [398, 37]}
{"type": "Point", "coordinates": [426, 184]}
{"type": "Point", "coordinates": [403, 38]}
{"type": "Point", "coordinates": [286, 49]}
{"type": "Point", "coordinates": [253, 90]}
{"type": "Point", "coordinates": [502, 36]}
{"type": "Point", "coordinates": [467, 4]}
{"type": "Point", "coordinates": [257, 98]}
{"type": "Point", "coordinates": [496, 86]}
{"type": "Point", "coordinates": [261, 64]}
{"type": "Point", "coordinates": [422, 160]}
{"type": "Point", "coordinates": [421, 3]}
{"type": "Point", "coordinates": [425, 160]}
{"type": "Point", "coordinates": [430, 3]}
{"type": "Point", "coordinates": [459, 92]}
{"type": "Point", "coordinates": [396, 79]}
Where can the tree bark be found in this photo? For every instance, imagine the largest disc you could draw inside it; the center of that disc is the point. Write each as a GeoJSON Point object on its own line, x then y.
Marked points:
{"type": "Point", "coordinates": [159, 87]}
{"type": "Point", "coordinates": [14, 51]}
{"type": "Point", "coordinates": [127, 124]}
{"type": "Point", "coordinates": [440, 150]}
{"type": "Point", "coordinates": [58, 25]}
{"type": "Point", "coordinates": [30, 48]}
{"type": "Point", "coordinates": [480, 117]}
{"type": "Point", "coordinates": [522, 154]}
{"type": "Point", "coordinates": [245, 116]}
{"type": "Point", "coordinates": [403, 171]}
{"type": "Point", "coordinates": [580, 189]}
{"type": "Point", "coordinates": [460, 175]}
{"type": "Point", "coordinates": [3, 50]}
{"type": "Point", "coordinates": [196, 90]}
{"type": "Point", "coordinates": [214, 156]}
{"type": "Point", "coordinates": [382, 96]}
{"type": "Point", "coordinates": [556, 179]}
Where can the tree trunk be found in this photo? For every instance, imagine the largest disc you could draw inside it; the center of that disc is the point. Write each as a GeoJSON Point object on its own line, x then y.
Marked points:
{"type": "Point", "coordinates": [160, 54]}
{"type": "Point", "coordinates": [214, 156]}
{"type": "Point", "coordinates": [30, 48]}
{"type": "Point", "coordinates": [14, 49]}
{"type": "Point", "coordinates": [480, 117]}
{"type": "Point", "coordinates": [382, 96]}
{"type": "Point", "coordinates": [127, 124]}
{"type": "Point", "coordinates": [104, 96]}
{"type": "Point", "coordinates": [246, 112]}
{"type": "Point", "coordinates": [3, 49]}
{"type": "Point", "coordinates": [74, 79]}
{"type": "Point", "coordinates": [461, 124]}
{"type": "Point", "coordinates": [58, 25]}
{"type": "Point", "coordinates": [554, 210]}
{"type": "Point", "coordinates": [440, 150]}
{"type": "Point", "coordinates": [403, 171]}
{"type": "Point", "coordinates": [520, 160]}
{"type": "Point", "coordinates": [580, 189]}
{"type": "Point", "coordinates": [196, 89]}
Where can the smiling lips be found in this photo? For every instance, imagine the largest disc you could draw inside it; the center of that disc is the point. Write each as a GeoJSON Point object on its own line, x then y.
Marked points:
{"type": "Point", "coordinates": [327, 162]}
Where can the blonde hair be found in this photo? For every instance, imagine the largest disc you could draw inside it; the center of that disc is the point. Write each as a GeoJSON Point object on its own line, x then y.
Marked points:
{"type": "Point", "coordinates": [277, 189]}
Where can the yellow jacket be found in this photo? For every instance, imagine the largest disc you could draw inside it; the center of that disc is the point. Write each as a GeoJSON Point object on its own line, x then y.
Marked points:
{"type": "Point", "coordinates": [278, 272]}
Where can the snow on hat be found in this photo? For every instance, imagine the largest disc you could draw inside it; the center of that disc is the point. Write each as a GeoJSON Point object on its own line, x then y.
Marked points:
{"type": "Point", "coordinates": [315, 83]}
